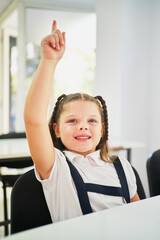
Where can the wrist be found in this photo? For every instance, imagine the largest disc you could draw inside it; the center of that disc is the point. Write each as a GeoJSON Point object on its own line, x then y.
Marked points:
{"type": "Point", "coordinates": [47, 61]}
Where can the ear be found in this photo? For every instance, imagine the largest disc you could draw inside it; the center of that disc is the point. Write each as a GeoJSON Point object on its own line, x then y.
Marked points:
{"type": "Point", "coordinates": [56, 130]}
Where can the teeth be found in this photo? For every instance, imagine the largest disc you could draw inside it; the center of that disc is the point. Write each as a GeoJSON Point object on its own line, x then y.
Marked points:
{"type": "Point", "coordinates": [82, 137]}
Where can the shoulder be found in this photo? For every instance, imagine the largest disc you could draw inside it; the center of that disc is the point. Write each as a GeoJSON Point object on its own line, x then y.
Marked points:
{"type": "Point", "coordinates": [59, 155]}
{"type": "Point", "coordinates": [60, 166]}
{"type": "Point", "coordinates": [60, 160]}
{"type": "Point", "coordinates": [126, 165]}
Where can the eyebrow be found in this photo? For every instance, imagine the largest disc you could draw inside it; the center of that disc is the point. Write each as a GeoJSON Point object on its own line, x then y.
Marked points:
{"type": "Point", "coordinates": [71, 115]}
{"type": "Point", "coordinates": [90, 116]}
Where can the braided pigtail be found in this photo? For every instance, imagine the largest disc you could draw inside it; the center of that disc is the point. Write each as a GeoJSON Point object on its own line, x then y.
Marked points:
{"type": "Point", "coordinates": [103, 145]}
{"type": "Point", "coordinates": [105, 115]}
{"type": "Point", "coordinates": [54, 119]}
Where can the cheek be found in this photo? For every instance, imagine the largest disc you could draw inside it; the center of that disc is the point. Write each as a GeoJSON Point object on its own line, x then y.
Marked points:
{"type": "Point", "coordinates": [97, 132]}
{"type": "Point", "coordinates": [68, 128]}
{"type": "Point", "coordinates": [66, 131]}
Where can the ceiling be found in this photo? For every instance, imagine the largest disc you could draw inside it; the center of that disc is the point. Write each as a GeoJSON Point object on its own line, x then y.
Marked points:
{"type": "Point", "coordinates": [89, 4]}
{"type": "Point", "coordinates": [67, 21]}
{"type": "Point", "coordinates": [4, 4]}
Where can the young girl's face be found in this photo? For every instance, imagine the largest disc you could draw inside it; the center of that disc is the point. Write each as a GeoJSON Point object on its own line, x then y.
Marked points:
{"type": "Point", "coordinates": [80, 127]}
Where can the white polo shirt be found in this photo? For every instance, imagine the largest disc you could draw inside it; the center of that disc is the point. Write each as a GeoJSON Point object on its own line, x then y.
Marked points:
{"type": "Point", "coordinates": [61, 194]}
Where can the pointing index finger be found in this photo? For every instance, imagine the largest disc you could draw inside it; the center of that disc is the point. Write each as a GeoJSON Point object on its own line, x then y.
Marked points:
{"type": "Point", "coordinates": [54, 26]}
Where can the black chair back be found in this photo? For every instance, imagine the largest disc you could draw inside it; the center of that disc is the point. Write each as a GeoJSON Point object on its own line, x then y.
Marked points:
{"type": "Point", "coordinates": [153, 172]}
{"type": "Point", "coordinates": [140, 189]}
{"type": "Point", "coordinates": [28, 205]}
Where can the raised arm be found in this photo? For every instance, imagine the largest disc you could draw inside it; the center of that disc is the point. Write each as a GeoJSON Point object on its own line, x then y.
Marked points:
{"type": "Point", "coordinates": [36, 106]}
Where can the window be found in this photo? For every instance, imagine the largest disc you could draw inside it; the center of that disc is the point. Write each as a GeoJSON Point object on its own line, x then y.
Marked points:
{"type": "Point", "coordinates": [76, 70]}
{"type": "Point", "coordinates": [13, 69]}
{"type": "Point", "coordinates": [9, 72]}
{"type": "Point", "coordinates": [21, 54]}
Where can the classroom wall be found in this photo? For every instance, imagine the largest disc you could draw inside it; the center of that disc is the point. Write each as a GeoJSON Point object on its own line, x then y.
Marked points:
{"type": "Point", "coordinates": [127, 73]}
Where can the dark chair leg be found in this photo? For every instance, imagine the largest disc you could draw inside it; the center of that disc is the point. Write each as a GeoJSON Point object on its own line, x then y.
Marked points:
{"type": "Point", "coordinates": [5, 210]}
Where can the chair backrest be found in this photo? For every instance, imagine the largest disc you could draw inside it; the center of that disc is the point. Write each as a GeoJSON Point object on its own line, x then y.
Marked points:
{"type": "Point", "coordinates": [153, 172]}
{"type": "Point", "coordinates": [28, 205]}
{"type": "Point", "coordinates": [140, 189]}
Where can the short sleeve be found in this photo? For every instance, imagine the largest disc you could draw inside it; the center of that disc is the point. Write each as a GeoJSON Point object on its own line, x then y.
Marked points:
{"type": "Point", "coordinates": [131, 179]}
{"type": "Point", "coordinates": [54, 170]}
{"type": "Point", "coordinates": [39, 177]}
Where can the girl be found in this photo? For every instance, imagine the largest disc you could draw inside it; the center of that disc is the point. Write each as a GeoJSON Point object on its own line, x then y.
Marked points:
{"type": "Point", "coordinates": [78, 132]}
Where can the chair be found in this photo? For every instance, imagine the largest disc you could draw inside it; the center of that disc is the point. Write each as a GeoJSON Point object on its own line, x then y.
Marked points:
{"type": "Point", "coordinates": [140, 189]}
{"type": "Point", "coordinates": [28, 204]}
{"type": "Point", "coordinates": [153, 173]}
{"type": "Point", "coordinates": [8, 180]}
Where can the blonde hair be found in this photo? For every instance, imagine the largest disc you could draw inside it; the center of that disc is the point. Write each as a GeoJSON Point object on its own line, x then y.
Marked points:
{"type": "Point", "coordinates": [58, 109]}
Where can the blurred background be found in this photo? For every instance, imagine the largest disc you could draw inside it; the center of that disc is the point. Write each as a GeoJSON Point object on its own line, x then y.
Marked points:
{"type": "Point", "coordinates": [112, 50]}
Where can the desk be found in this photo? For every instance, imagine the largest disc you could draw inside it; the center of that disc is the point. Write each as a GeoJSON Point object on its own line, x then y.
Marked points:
{"type": "Point", "coordinates": [138, 220]}
{"type": "Point", "coordinates": [14, 153]}
{"type": "Point", "coordinates": [11, 149]}
{"type": "Point", "coordinates": [14, 148]}
{"type": "Point", "coordinates": [125, 146]}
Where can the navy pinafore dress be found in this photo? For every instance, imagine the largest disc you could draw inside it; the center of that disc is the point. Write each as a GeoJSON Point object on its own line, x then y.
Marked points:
{"type": "Point", "coordinates": [83, 188]}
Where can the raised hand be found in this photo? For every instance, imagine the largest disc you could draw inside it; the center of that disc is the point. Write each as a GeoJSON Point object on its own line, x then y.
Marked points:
{"type": "Point", "coordinates": [53, 46]}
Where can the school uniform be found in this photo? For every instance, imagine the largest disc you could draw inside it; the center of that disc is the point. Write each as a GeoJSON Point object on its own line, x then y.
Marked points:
{"type": "Point", "coordinates": [60, 190]}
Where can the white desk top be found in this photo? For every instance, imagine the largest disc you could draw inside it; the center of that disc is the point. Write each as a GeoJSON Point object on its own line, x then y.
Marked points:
{"type": "Point", "coordinates": [127, 144]}
{"type": "Point", "coordinates": [19, 147]}
{"type": "Point", "coordinates": [139, 220]}
{"type": "Point", "coordinates": [14, 148]}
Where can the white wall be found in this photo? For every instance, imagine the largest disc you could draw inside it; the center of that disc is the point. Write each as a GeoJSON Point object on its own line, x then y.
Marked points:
{"type": "Point", "coordinates": [108, 55]}
{"type": "Point", "coordinates": [128, 57]}
{"type": "Point", "coordinates": [154, 85]}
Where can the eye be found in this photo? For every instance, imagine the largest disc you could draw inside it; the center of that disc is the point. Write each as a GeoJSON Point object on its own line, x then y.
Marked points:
{"type": "Point", "coordinates": [72, 121]}
{"type": "Point", "coordinates": [93, 121]}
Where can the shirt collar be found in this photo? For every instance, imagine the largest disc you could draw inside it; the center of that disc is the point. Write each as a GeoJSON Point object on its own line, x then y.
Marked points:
{"type": "Point", "coordinates": [94, 156]}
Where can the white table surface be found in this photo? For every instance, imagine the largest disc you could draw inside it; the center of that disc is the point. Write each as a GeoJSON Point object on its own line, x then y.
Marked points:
{"type": "Point", "coordinates": [14, 148]}
{"type": "Point", "coordinates": [137, 221]}
{"type": "Point", "coordinates": [19, 147]}
{"type": "Point", "coordinates": [127, 144]}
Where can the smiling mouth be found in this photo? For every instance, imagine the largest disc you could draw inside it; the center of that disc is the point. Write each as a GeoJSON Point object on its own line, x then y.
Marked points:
{"type": "Point", "coordinates": [82, 138]}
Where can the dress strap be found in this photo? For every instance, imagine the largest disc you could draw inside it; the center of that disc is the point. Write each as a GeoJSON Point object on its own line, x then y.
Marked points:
{"type": "Point", "coordinates": [106, 190]}
{"type": "Point", "coordinates": [122, 177]}
{"type": "Point", "coordinates": [81, 189]}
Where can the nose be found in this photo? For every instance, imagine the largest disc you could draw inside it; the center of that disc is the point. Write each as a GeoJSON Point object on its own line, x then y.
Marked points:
{"type": "Point", "coordinates": [83, 126]}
